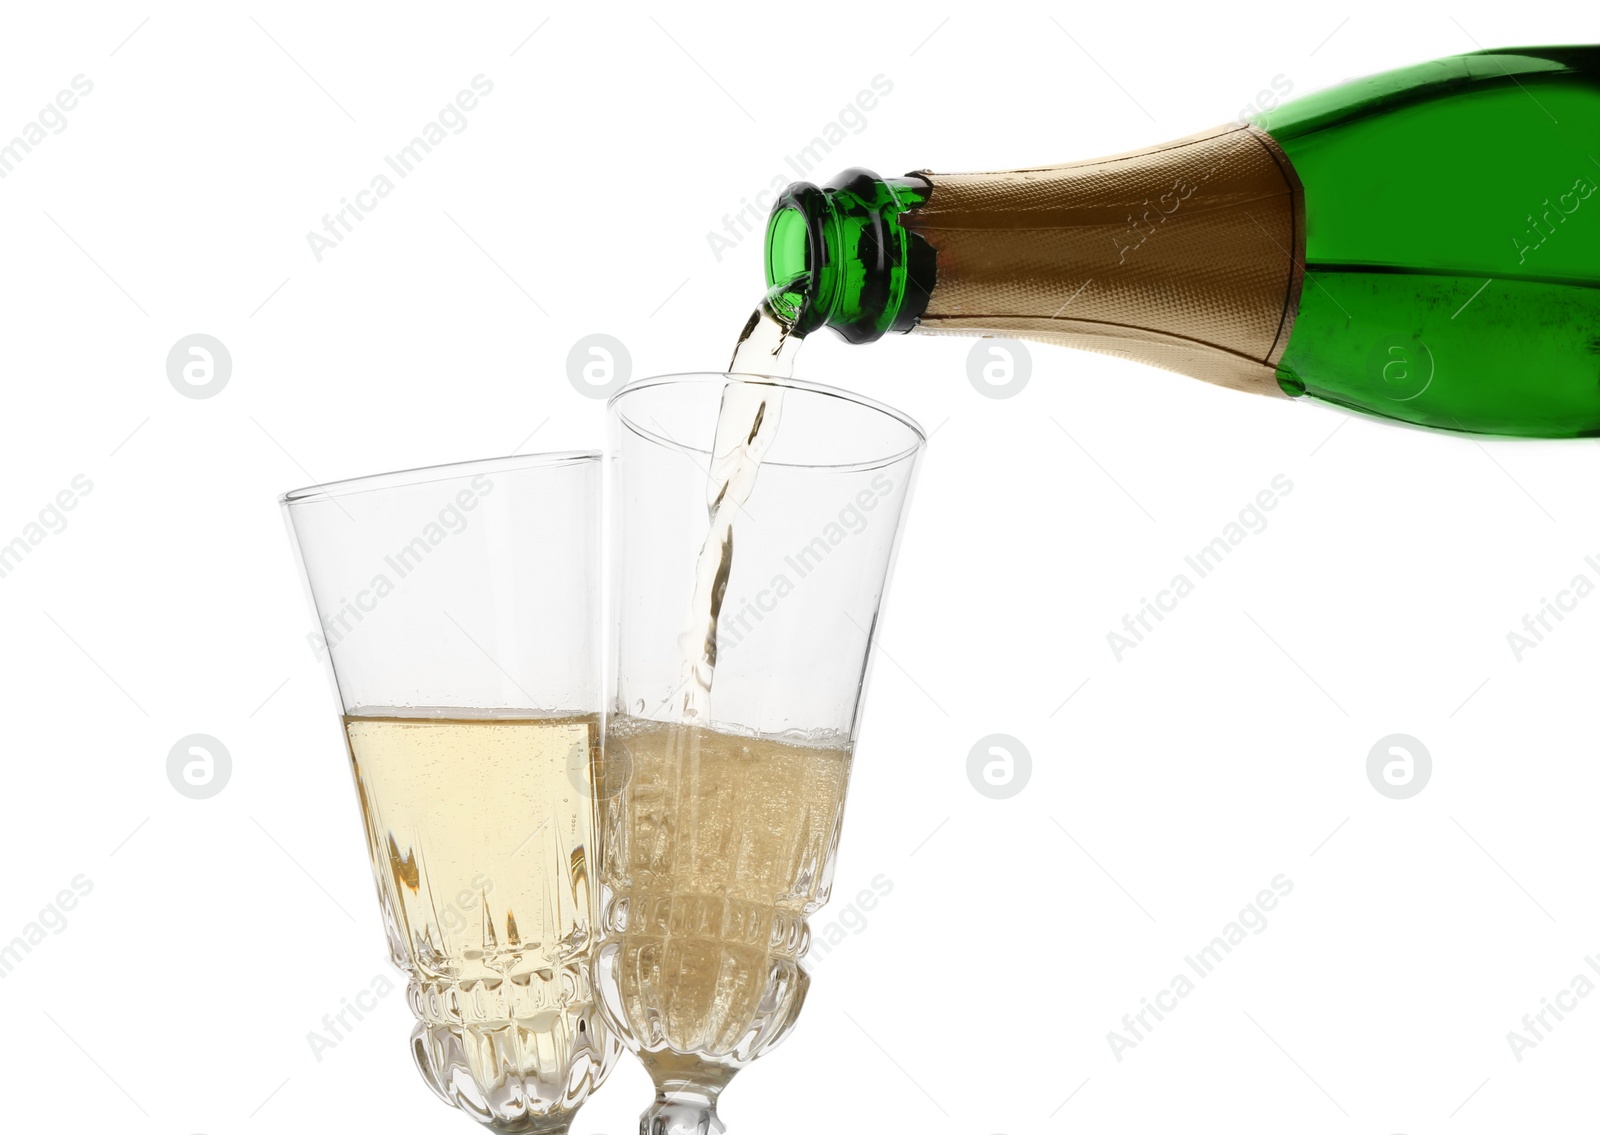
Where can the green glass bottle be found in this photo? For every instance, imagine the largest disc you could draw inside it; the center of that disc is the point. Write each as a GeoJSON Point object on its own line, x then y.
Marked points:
{"type": "Point", "coordinates": [1421, 245]}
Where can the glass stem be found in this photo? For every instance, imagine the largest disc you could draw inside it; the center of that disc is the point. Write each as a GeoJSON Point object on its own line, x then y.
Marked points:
{"type": "Point", "coordinates": [682, 1111]}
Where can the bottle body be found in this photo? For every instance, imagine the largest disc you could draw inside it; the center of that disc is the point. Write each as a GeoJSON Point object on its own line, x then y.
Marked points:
{"type": "Point", "coordinates": [1453, 238]}
{"type": "Point", "coordinates": [1422, 245]}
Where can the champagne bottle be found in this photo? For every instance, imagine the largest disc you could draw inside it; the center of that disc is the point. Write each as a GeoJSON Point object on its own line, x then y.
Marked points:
{"type": "Point", "coordinates": [1422, 245]}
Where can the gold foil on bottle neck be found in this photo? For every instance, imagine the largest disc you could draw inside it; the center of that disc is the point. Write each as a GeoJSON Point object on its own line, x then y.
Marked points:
{"type": "Point", "coordinates": [1188, 256]}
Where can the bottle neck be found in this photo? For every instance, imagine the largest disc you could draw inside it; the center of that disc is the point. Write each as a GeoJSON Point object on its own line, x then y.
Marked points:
{"type": "Point", "coordinates": [839, 256]}
{"type": "Point", "coordinates": [1187, 256]}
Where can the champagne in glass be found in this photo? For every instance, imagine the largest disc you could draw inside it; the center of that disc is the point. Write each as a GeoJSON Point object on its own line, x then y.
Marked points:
{"type": "Point", "coordinates": [723, 844]}
{"type": "Point", "coordinates": [480, 829]}
{"type": "Point", "coordinates": [721, 814]}
{"type": "Point", "coordinates": [458, 608]}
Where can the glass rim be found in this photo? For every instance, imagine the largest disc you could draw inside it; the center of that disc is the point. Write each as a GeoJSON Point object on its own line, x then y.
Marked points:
{"type": "Point", "coordinates": [919, 435]}
{"type": "Point", "coordinates": [430, 474]}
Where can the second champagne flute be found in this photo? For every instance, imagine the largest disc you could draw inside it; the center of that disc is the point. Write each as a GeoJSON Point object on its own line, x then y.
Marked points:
{"type": "Point", "coordinates": [755, 524]}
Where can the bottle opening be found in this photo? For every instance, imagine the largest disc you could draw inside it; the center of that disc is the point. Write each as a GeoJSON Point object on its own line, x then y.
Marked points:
{"type": "Point", "coordinates": [839, 256]}
{"type": "Point", "coordinates": [787, 257]}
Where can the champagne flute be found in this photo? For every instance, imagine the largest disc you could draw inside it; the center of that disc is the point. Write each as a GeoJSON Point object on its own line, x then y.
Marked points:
{"type": "Point", "coordinates": [459, 610]}
{"type": "Point", "coordinates": [754, 527]}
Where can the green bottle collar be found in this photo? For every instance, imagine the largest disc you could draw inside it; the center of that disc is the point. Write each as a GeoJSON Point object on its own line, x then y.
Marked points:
{"type": "Point", "coordinates": [840, 256]}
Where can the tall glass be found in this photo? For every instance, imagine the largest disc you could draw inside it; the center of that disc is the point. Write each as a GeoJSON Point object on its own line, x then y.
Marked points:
{"type": "Point", "coordinates": [459, 609]}
{"type": "Point", "coordinates": [727, 752]}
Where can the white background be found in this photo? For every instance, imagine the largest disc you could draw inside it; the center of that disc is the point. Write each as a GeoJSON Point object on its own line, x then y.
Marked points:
{"type": "Point", "coordinates": [1226, 749]}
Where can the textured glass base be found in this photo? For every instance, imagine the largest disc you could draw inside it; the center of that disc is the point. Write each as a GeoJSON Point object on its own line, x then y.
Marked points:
{"type": "Point", "coordinates": [528, 1075]}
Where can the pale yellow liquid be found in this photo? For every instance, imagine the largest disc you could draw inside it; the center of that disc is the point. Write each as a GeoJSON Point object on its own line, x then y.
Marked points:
{"type": "Point", "coordinates": [747, 422]}
{"type": "Point", "coordinates": [718, 846]}
{"type": "Point", "coordinates": [481, 832]}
